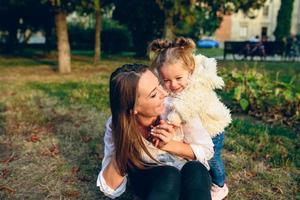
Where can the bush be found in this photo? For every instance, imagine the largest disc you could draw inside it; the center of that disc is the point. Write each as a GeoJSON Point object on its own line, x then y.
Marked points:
{"type": "Point", "coordinates": [258, 94]}
{"type": "Point", "coordinates": [114, 37]}
{"type": "Point", "coordinates": [81, 38]}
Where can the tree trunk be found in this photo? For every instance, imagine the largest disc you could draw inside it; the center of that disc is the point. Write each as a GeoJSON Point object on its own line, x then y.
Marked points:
{"type": "Point", "coordinates": [97, 33]}
{"type": "Point", "coordinates": [168, 26]}
{"type": "Point", "coordinates": [64, 57]}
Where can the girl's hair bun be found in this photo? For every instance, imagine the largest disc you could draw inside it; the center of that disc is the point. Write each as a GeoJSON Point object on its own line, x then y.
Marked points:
{"type": "Point", "coordinates": [184, 43]}
{"type": "Point", "coordinates": [159, 45]}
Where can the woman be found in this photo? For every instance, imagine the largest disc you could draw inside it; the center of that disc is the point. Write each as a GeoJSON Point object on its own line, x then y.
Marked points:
{"type": "Point", "coordinates": [152, 153]}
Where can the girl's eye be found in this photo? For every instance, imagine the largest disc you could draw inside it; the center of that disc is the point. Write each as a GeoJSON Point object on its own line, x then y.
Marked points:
{"type": "Point", "coordinates": [179, 78]}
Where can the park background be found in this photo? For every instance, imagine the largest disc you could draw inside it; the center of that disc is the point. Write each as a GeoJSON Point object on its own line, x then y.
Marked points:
{"type": "Point", "coordinates": [55, 62]}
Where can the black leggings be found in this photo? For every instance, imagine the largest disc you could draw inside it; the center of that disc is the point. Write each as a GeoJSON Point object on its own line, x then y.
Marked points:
{"type": "Point", "coordinates": [167, 182]}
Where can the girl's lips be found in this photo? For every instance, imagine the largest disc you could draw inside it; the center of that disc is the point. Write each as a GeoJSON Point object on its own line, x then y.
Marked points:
{"type": "Point", "coordinates": [177, 90]}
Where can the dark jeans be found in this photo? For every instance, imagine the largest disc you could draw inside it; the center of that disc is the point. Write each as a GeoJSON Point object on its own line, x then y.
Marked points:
{"type": "Point", "coordinates": [166, 182]}
{"type": "Point", "coordinates": [217, 170]}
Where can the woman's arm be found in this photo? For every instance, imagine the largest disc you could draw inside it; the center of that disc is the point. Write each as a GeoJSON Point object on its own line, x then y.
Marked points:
{"type": "Point", "coordinates": [112, 176]}
{"type": "Point", "coordinates": [110, 182]}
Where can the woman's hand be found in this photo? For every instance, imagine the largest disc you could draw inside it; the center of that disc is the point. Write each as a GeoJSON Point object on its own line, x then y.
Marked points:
{"type": "Point", "coordinates": [163, 133]}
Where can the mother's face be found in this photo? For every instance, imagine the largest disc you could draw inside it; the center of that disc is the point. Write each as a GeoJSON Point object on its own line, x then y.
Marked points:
{"type": "Point", "coordinates": [151, 96]}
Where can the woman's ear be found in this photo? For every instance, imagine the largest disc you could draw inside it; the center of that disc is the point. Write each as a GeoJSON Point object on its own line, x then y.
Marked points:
{"type": "Point", "coordinates": [135, 112]}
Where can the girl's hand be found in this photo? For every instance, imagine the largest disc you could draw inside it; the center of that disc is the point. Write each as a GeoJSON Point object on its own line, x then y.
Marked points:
{"type": "Point", "coordinates": [163, 133]}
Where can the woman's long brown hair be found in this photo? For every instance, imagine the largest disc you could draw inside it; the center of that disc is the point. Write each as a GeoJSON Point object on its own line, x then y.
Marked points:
{"type": "Point", "coordinates": [126, 133]}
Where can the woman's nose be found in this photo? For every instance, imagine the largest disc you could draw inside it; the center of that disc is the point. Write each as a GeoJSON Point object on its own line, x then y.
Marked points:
{"type": "Point", "coordinates": [163, 92]}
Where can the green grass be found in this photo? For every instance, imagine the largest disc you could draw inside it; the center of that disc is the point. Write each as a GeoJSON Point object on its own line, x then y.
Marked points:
{"type": "Point", "coordinates": [211, 52]}
{"type": "Point", "coordinates": [51, 130]}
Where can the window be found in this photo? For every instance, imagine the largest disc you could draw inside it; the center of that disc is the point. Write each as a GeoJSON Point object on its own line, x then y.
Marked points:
{"type": "Point", "coordinates": [266, 11]}
{"type": "Point", "coordinates": [243, 31]}
{"type": "Point", "coordinates": [264, 31]}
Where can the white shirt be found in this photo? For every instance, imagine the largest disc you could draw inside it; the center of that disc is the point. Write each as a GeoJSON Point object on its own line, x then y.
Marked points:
{"type": "Point", "coordinates": [194, 134]}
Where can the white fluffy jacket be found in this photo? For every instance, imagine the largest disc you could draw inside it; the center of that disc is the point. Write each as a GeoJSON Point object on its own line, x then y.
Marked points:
{"type": "Point", "coordinates": [199, 98]}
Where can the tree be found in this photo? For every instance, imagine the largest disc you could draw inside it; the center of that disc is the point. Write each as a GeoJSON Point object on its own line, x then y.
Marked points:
{"type": "Point", "coordinates": [171, 9]}
{"type": "Point", "coordinates": [198, 16]}
{"type": "Point", "coordinates": [148, 20]}
{"type": "Point", "coordinates": [18, 19]}
{"type": "Point", "coordinates": [61, 9]}
{"type": "Point", "coordinates": [97, 31]}
{"type": "Point", "coordinates": [143, 18]}
{"type": "Point", "coordinates": [284, 16]}
{"type": "Point", "coordinates": [63, 45]}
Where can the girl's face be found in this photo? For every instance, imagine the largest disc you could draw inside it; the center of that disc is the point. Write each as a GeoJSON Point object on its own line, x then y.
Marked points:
{"type": "Point", "coordinates": [175, 77]}
{"type": "Point", "coordinates": [151, 96]}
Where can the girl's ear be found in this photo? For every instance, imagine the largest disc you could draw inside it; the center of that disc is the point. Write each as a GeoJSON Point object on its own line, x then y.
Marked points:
{"type": "Point", "coordinates": [135, 112]}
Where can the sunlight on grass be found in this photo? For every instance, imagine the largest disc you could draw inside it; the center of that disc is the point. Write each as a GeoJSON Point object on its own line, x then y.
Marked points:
{"type": "Point", "coordinates": [52, 126]}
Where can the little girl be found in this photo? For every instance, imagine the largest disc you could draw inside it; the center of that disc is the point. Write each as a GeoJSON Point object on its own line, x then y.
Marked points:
{"type": "Point", "coordinates": [191, 80]}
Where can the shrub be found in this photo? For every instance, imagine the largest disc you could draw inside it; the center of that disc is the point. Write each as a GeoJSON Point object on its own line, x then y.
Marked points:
{"type": "Point", "coordinates": [114, 37]}
{"type": "Point", "coordinates": [270, 99]}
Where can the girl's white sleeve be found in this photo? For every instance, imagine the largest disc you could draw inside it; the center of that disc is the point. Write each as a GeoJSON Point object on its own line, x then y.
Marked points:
{"type": "Point", "coordinates": [108, 153]}
{"type": "Point", "coordinates": [199, 140]}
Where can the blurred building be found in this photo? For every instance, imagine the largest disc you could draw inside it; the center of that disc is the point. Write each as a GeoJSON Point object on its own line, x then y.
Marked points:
{"type": "Point", "coordinates": [295, 29]}
{"type": "Point", "coordinates": [261, 23]}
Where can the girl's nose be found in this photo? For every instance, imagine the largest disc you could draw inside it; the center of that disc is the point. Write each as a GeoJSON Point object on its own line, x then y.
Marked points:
{"type": "Point", "coordinates": [174, 85]}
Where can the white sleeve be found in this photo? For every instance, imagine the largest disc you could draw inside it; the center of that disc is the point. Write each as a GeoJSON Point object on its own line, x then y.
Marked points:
{"type": "Point", "coordinates": [108, 153]}
{"type": "Point", "coordinates": [199, 140]}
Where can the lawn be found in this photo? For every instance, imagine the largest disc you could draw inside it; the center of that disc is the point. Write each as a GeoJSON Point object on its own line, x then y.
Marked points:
{"type": "Point", "coordinates": [51, 130]}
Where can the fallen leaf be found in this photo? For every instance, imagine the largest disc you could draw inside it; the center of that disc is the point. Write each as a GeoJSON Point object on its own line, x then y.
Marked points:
{"type": "Point", "coordinates": [75, 170]}
{"type": "Point", "coordinates": [50, 127]}
{"type": "Point", "coordinates": [68, 180]}
{"type": "Point", "coordinates": [54, 149]}
{"type": "Point", "coordinates": [85, 178]}
{"type": "Point", "coordinates": [4, 173]}
{"type": "Point", "coordinates": [34, 138]}
{"type": "Point", "coordinates": [51, 151]}
{"type": "Point", "coordinates": [72, 193]}
{"type": "Point", "coordinates": [86, 139]}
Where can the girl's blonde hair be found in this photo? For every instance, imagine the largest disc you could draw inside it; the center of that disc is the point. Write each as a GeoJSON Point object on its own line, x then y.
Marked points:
{"type": "Point", "coordinates": [163, 51]}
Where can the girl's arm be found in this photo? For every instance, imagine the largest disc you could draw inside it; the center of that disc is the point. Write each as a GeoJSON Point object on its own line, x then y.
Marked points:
{"type": "Point", "coordinates": [180, 149]}
{"type": "Point", "coordinates": [199, 139]}
{"type": "Point", "coordinates": [164, 134]}
{"type": "Point", "coordinates": [197, 142]}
